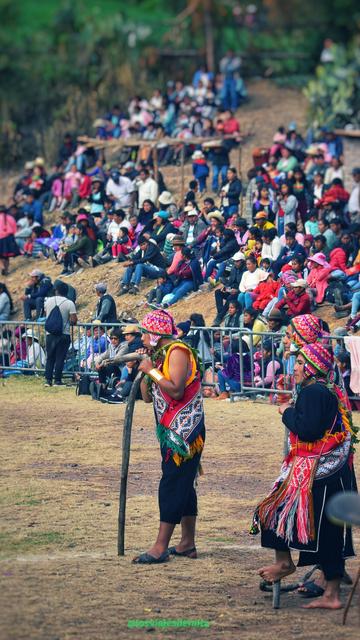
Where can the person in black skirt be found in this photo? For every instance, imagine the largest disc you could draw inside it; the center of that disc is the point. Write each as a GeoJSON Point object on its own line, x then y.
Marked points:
{"type": "Point", "coordinates": [319, 465]}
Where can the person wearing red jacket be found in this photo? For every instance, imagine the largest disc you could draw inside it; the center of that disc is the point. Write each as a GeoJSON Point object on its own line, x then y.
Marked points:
{"type": "Point", "coordinates": [336, 193]}
{"type": "Point", "coordinates": [297, 300]}
{"type": "Point", "coordinates": [265, 291]}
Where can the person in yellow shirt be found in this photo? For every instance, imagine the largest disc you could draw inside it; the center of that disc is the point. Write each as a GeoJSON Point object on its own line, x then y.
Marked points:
{"type": "Point", "coordinates": [262, 222]}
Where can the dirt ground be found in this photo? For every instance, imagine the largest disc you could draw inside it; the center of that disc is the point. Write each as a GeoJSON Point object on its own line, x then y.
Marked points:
{"type": "Point", "coordinates": [60, 576]}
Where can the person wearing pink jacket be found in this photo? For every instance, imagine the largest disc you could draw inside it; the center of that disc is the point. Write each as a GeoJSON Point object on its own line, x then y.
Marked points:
{"type": "Point", "coordinates": [317, 279]}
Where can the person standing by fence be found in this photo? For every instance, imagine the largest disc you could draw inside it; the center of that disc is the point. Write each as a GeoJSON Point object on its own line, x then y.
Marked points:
{"type": "Point", "coordinates": [58, 332]}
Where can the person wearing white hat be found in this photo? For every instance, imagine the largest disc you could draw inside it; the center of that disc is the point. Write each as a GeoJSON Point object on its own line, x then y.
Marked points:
{"type": "Point", "coordinates": [35, 356]}
{"type": "Point", "coordinates": [297, 301]}
{"type": "Point", "coordinates": [230, 290]}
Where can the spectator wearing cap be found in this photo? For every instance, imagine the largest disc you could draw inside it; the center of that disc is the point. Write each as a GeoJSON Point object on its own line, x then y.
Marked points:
{"type": "Point", "coordinates": [147, 262]}
{"type": "Point", "coordinates": [37, 290]}
{"type": "Point", "coordinates": [178, 243]}
{"type": "Point", "coordinates": [35, 355]}
{"type": "Point", "coordinates": [146, 186]}
{"type": "Point", "coordinates": [262, 222]}
{"type": "Point", "coordinates": [161, 228]}
{"type": "Point", "coordinates": [132, 337]}
{"type": "Point", "coordinates": [57, 346]}
{"type": "Point", "coordinates": [192, 228]}
{"type": "Point", "coordinates": [105, 308]}
{"type": "Point", "coordinates": [200, 169]}
{"type": "Point", "coordinates": [230, 193]}
{"type": "Point", "coordinates": [297, 301]}
{"type": "Point", "coordinates": [230, 290]}
{"type": "Point", "coordinates": [317, 279]}
{"type": "Point", "coordinates": [354, 200]}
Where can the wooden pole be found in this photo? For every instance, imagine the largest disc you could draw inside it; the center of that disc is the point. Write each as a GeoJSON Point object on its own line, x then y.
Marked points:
{"type": "Point", "coordinates": [126, 441]}
{"type": "Point", "coordinates": [182, 160]}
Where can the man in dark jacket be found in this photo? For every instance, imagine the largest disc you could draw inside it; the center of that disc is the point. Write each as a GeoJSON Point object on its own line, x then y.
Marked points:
{"type": "Point", "coordinates": [287, 253]}
{"type": "Point", "coordinates": [227, 247]}
{"type": "Point", "coordinates": [37, 290]}
{"type": "Point", "coordinates": [106, 307]}
{"type": "Point", "coordinates": [231, 193]}
{"type": "Point", "coordinates": [148, 261]}
{"type": "Point", "coordinates": [230, 291]}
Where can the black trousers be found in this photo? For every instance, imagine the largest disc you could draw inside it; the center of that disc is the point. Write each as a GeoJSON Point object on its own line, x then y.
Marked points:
{"type": "Point", "coordinates": [33, 304]}
{"type": "Point", "coordinates": [56, 350]}
{"type": "Point", "coordinates": [177, 495]}
{"type": "Point", "coordinates": [107, 371]}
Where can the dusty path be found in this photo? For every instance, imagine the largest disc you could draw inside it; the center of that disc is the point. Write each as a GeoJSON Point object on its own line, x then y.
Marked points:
{"type": "Point", "coordinates": [60, 576]}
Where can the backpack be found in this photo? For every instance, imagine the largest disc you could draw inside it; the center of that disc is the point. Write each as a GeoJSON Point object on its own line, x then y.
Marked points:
{"type": "Point", "coordinates": [335, 293]}
{"type": "Point", "coordinates": [83, 385]}
{"type": "Point", "coordinates": [54, 322]}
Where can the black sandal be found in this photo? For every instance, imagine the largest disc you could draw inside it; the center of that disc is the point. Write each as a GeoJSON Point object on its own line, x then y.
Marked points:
{"type": "Point", "coordinates": [189, 553]}
{"type": "Point", "coordinates": [146, 558]}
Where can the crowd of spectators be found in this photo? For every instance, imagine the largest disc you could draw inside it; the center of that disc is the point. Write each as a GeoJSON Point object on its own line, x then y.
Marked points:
{"type": "Point", "coordinates": [282, 243]}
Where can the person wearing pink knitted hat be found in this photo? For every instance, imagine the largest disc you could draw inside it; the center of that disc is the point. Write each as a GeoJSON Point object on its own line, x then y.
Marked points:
{"type": "Point", "coordinates": [173, 384]}
{"type": "Point", "coordinates": [319, 465]}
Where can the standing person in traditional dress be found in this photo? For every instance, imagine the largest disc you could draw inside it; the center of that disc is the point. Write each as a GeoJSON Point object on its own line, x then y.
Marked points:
{"type": "Point", "coordinates": [293, 515]}
{"type": "Point", "coordinates": [173, 384]}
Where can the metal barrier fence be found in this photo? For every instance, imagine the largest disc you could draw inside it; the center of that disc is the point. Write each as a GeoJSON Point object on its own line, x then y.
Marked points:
{"type": "Point", "coordinates": [216, 346]}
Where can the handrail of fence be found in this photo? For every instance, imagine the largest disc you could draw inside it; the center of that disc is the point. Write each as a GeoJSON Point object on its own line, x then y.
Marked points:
{"type": "Point", "coordinates": [215, 345]}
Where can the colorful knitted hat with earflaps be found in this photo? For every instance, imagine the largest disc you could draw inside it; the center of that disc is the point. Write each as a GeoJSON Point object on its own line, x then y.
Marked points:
{"type": "Point", "coordinates": [319, 361]}
{"type": "Point", "coordinates": [158, 324]}
{"type": "Point", "coordinates": [306, 330]}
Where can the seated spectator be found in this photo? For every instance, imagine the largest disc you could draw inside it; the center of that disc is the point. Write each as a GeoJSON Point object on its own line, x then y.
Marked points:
{"type": "Point", "coordinates": [192, 228]}
{"type": "Point", "coordinates": [270, 367]}
{"type": "Point", "coordinates": [271, 246]}
{"type": "Point", "coordinates": [123, 245]}
{"type": "Point", "coordinates": [297, 301]}
{"type": "Point", "coordinates": [225, 248]}
{"type": "Point", "coordinates": [79, 252]}
{"type": "Point", "coordinates": [287, 253]}
{"type": "Point", "coordinates": [320, 246]}
{"type": "Point", "coordinates": [318, 276]}
{"type": "Point", "coordinates": [232, 318]}
{"type": "Point", "coordinates": [287, 163]}
{"type": "Point", "coordinates": [229, 375]}
{"type": "Point", "coordinates": [37, 290]}
{"type": "Point", "coordinates": [6, 303]}
{"type": "Point", "coordinates": [262, 222]}
{"type": "Point", "coordinates": [35, 355]}
{"type": "Point", "coordinates": [199, 338]}
{"type": "Point", "coordinates": [97, 196]}
{"type": "Point", "coordinates": [107, 364]}
{"type": "Point", "coordinates": [291, 226]}
{"type": "Point", "coordinates": [132, 337]}
{"type": "Point", "coordinates": [249, 281]}
{"type": "Point", "coordinates": [335, 170]}
{"type": "Point", "coordinates": [161, 227]}
{"type": "Point", "coordinates": [342, 359]}
{"type": "Point", "coordinates": [230, 291]}
{"type": "Point", "coordinates": [266, 290]}
{"type": "Point", "coordinates": [147, 262]}
{"type": "Point", "coordinates": [146, 212]}
{"type": "Point", "coordinates": [105, 308]}
{"type": "Point", "coordinates": [95, 344]}
{"type": "Point", "coordinates": [311, 225]}
{"type": "Point", "coordinates": [183, 329]}
{"type": "Point", "coordinates": [241, 230]}
{"type": "Point", "coordinates": [33, 207]}
{"type": "Point", "coordinates": [255, 324]}
{"type": "Point", "coordinates": [328, 233]}
{"type": "Point", "coordinates": [187, 277]}
{"type": "Point", "coordinates": [123, 387]}
{"type": "Point", "coordinates": [163, 287]}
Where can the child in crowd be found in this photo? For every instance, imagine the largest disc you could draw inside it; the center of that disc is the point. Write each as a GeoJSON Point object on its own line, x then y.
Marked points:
{"type": "Point", "coordinates": [163, 287]}
{"type": "Point", "coordinates": [122, 246]}
{"type": "Point", "coordinates": [200, 169]}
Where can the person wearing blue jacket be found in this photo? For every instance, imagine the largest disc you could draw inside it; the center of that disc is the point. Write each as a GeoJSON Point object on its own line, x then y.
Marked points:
{"type": "Point", "coordinates": [200, 169]}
